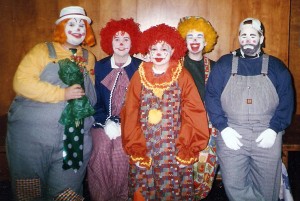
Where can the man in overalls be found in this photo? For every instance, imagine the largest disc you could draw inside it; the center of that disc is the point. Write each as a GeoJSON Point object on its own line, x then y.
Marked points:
{"type": "Point", "coordinates": [250, 100]}
{"type": "Point", "coordinates": [48, 139]}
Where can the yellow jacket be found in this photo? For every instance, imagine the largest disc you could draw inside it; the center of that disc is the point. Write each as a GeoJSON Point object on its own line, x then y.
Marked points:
{"type": "Point", "coordinates": [26, 81]}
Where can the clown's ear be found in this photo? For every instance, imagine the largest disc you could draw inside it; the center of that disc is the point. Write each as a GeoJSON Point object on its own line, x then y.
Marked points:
{"type": "Point", "coordinates": [261, 40]}
{"type": "Point", "coordinates": [172, 51]}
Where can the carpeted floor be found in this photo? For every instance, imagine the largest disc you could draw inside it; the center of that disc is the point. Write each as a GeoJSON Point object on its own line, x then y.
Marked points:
{"type": "Point", "coordinates": [217, 193]}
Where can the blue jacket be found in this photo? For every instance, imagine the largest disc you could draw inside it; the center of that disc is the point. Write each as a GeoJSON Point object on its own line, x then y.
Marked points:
{"type": "Point", "coordinates": [278, 74]}
{"type": "Point", "coordinates": [102, 69]}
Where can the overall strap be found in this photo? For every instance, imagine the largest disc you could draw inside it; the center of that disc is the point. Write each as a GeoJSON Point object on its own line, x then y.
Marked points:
{"type": "Point", "coordinates": [265, 64]}
{"type": "Point", "coordinates": [51, 49]}
{"type": "Point", "coordinates": [85, 54]}
{"type": "Point", "coordinates": [235, 61]}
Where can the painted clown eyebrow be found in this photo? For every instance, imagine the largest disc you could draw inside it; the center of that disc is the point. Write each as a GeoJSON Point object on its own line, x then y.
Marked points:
{"type": "Point", "coordinates": [244, 34]}
{"type": "Point", "coordinates": [191, 35]}
{"type": "Point", "coordinates": [78, 19]}
{"type": "Point", "coordinates": [118, 37]}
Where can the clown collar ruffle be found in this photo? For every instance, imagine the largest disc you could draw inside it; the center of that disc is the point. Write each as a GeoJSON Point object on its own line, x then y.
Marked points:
{"type": "Point", "coordinates": [159, 83]}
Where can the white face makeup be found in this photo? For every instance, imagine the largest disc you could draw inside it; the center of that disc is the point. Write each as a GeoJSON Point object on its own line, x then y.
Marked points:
{"type": "Point", "coordinates": [75, 31]}
{"type": "Point", "coordinates": [121, 43]}
{"type": "Point", "coordinates": [250, 40]}
{"type": "Point", "coordinates": [195, 41]}
{"type": "Point", "coordinates": [160, 53]}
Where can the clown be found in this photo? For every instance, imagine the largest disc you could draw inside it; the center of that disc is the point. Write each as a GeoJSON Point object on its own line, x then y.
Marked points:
{"type": "Point", "coordinates": [200, 38]}
{"type": "Point", "coordinates": [161, 132]}
{"type": "Point", "coordinates": [108, 167]}
{"type": "Point", "coordinates": [47, 158]}
{"type": "Point", "coordinates": [250, 100]}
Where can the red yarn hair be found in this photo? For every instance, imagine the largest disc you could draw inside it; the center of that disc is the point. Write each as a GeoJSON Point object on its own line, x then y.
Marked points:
{"type": "Point", "coordinates": [112, 27]}
{"type": "Point", "coordinates": [60, 36]}
{"type": "Point", "coordinates": [163, 32]}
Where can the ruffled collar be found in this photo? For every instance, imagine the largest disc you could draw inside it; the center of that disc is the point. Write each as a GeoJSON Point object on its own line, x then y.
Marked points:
{"type": "Point", "coordinates": [158, 83]}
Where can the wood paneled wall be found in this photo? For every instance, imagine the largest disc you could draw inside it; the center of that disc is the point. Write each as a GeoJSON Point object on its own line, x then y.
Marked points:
{"type": "Point", "coordinates": [25, 23]}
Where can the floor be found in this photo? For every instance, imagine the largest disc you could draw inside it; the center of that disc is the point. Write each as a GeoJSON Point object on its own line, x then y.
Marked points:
{"type": "Point", "coordinates": [217, 193]}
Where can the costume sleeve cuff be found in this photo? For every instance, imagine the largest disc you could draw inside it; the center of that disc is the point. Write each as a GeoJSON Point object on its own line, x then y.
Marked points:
{"type": "Point", "coordinates": [98, 125]}
{"type": "Point", "coordinates": [187, 161]}
{"type": "Point", "coordinates": [274, 129]}
{"type": "Point", "coordinates": [62, 93]}
{"type": "Point", "coordinates": [222, 126]}
{"type": "Point", "coordinates": [144, 161]}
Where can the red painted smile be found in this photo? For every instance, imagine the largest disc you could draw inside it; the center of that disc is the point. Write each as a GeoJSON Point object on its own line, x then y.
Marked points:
{"type": "Point", "coordinates": [158, 59]}
{"type": "Point", "coordinates": [195, 46]}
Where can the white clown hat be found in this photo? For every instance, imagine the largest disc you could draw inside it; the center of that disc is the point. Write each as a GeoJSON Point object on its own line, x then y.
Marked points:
{"type": "Point", "coordinates": [72, 12]}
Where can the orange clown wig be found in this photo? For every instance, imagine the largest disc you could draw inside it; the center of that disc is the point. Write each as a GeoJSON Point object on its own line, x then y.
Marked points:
{"type": "Point", "coordinates": [194, 23]}
{"type": "Point", "coordinates": [159, 33]}
{"type": "Point", "coordinates": [124, 25]}
{"type": "Point", "coordinates": [60, 36]}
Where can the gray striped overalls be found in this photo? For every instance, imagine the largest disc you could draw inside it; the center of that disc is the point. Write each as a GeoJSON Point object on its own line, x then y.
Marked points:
{"type": "Point", "coordinates": [35, 143]}
{"type": "Point", "coordinates": [249, 102]}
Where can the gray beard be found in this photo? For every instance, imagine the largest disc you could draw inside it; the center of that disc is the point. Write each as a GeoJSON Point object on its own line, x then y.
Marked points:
{"type": "Point", "coordinates": [249, 51]}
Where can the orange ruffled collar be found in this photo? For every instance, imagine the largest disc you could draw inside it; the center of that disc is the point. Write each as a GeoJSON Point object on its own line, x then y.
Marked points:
{"type": "Point", "coordinates": [159, 83]}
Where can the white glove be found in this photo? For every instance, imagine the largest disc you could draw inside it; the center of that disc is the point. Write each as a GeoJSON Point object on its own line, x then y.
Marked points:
{"type": "Point", "coordinates": [112, 129]}
{"type": "Point", "coordinates": [138, 165]}
{"type": "Point", "coordinates": [231, 138]}
{"type": "Point", "coordinates": [182, 166]}
{"type": "Point", "coordinates": [266, 139]}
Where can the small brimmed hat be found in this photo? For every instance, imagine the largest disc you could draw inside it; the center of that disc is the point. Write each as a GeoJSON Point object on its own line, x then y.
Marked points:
{"type": "Point", "coordinates": [72, 12]}
{"type": "Point", "coordinates": [254, 23]}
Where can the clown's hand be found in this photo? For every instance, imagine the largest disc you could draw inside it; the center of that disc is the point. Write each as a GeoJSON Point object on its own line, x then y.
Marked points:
{"type": "Point", "coordinates": [112, 129]}
{"type": "Point", "coordinates": [138, 165]}
{"type": "Point", "coordinates": [231, 138]}
{"type": "Point", "coordinates": [266, 139]}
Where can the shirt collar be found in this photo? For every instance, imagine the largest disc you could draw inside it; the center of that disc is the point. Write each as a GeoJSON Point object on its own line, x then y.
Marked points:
{"type": "Point", "coordinates": [241, 54]}
{"type": "Point", "coordinates": [113, 64]}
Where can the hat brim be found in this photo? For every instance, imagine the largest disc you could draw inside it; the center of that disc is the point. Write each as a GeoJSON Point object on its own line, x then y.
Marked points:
{"type": "Point", "coordinates": [74, 16]}
{"type": "Point", "coordinates": [242, 26]}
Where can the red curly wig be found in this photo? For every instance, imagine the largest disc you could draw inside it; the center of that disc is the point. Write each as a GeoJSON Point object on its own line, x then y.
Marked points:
{"type": "Point", "coordinates": [112, 27]}
{"type": "Point", "coordinates": [60, 36]}
{"type": "Point", "coordinates": [163, 32]}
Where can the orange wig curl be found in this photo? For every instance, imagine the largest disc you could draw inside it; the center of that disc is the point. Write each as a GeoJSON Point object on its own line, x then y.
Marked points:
{"type": "Point", "coordinates": [60, 36]}
{"type": "Point", "coordinates": [112, 27]}
{"type": "Point", "coordinates": [159, 33]}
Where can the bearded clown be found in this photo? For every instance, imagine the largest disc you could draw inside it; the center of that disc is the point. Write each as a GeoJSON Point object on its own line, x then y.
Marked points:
{"type": "Point", "coordinates": [48, 145]}
{"type": "Point", "coordinates": [108, 167]}
{"type": "Point", "coordinates": [201, 37]}
{"type": "Point", "coordinates": [161, 132]}
{"type": "Point", "coordinates": [250, 100]}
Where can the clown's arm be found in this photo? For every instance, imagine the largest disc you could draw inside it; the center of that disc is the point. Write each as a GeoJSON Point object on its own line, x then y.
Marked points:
{"type": "Point", "coordinates": [133, 139]}
{"type": "Point", "coordinates": [194, 134]}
